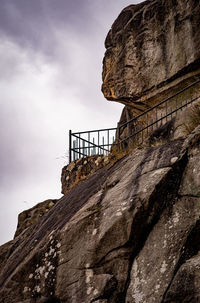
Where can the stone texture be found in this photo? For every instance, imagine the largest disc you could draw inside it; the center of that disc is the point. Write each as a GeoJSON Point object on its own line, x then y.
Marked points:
{"type": "Point", "coordinates": [153, 49]}
{"type": "Point", "coordinates": [185, 286]}
{"type": "Point", "coordinates": [32, 215]}
{"type": "Point", "coordinates": [77, 171]}
{"type": "Point", "coordinates": [190, 184]}
{"type": "Point", "coordinates": [109, 235]}
{"type": "Point", "coordinates": [154, 267]}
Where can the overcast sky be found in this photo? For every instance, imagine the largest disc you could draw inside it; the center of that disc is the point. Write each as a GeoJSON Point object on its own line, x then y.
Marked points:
{"type": "Point", "coordinates": [51, 54]}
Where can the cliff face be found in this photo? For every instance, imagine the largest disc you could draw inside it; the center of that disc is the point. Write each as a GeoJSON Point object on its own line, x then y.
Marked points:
{"type": "Point", "coordinates": [128, 233]}
{"type": "Point", "coordinates": [153, 49]}
{"type": "Point", "coordinates": [125, 231]}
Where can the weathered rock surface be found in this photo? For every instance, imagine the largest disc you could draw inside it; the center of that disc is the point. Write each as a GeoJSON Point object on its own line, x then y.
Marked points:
{"type": "Point", "coordinates": [153, 50]}
{"type": "Point", "coordinates": [77, 171]}
{"type": "Point", "coordinates": [186, 284]}
{"type": "Point", "coordinates": [32, 215]}
{"type": "Point", "coordinates": [128, 233]}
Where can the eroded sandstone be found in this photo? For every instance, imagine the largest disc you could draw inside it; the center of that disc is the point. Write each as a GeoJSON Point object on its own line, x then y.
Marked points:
{"type": "Point", "coordinates": [153, 50]}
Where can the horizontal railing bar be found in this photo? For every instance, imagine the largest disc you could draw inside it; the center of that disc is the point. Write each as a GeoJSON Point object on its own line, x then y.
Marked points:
{"type": "Point", "coordinates": [148, 110]}
{"type": "Point", "coordinates": [89, 147]}
{"type": "Point", "coordinates": [78, 152]}
{"type": "Point", "coordinates": [82, 139]}
{"type": "Point", "coordinates": [93, 131]}
{"type": "Point", "coordinates": [104, 148]}
{"type": "Point", "coordinates": [85, 155]}
{"type": "Point", "coordinates": [93, 144]}
{"type": "Point", "coordinates": [162, 118]}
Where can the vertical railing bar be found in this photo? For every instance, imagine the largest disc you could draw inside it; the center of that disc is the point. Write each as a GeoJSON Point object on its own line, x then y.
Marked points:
{"type": "Point", "coordinates": [94, 149]}
{"type": "Point", "coordinates": [108, 140]}
{"type": "Point", "coordinates": [84, 148]}
{"type": "Point", "coordinates": [88, 144]}
{"type": "Point", "coordinates": [79, 145]}
{"type": "Point", "coordinates": [77, 149]}
{"type": "Point", "coordinates": [118, 135]}
{"type": "Point", "coordinates": [74, 150]}
{"type": "Point", "coordinates": [98, 141]}
{"type": "Point", "coordinates": [70, 146]}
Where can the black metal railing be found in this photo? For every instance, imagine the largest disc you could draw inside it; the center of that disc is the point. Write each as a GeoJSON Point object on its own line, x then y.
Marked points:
{"type": "Point", "coordinates": [88, 143]}
{"type": "Point", "coordinates": [142, 125]}
{"type": "Point", "coordinates": [97, 142]}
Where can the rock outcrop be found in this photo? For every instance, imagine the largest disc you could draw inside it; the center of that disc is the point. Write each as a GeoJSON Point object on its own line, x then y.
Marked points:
{"type": "Point", "coordinates": [77, 171]}
{"type": "Point", "coordinates": [32, 215]}
{"type": "Point", "coordinates": [153, 50]}
{"type": "Point", "coordinates": [128, 233]}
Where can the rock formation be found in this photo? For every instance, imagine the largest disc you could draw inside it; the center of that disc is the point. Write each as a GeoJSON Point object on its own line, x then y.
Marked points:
{"type": "Point", "coordinates": [79, 170]}
{"type": "Point", "coordinates": [31, 216]}
{"type": "Point", "coordinates": [127, 231]}
{"type": "Point", "coordinates": [153, 49]}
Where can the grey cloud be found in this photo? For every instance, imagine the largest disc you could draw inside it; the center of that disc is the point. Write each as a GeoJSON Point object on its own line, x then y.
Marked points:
{"type": "Point", "coordinates": [67, 36]}
{"type": "Point", "coordinates": [32, 23]}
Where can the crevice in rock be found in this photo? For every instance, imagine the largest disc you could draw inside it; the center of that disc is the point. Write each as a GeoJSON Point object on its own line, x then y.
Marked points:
{"type": "Point", "coordinates": [166, 191]}
{"type": "Point", "coordinates": [189, 195]}
{"type": "Point", "coordinates": [50, 300]}
{"type": "Point", "coordinates": [190, 248]}
{"type": "Point", "coordinates": [67, 285]}
{"type": "Point", "coordinates": [110, 287]}
{"type": "Point", "coordinates": [103, 260]}
{"type": "Point", "coordinates": [65, 262]}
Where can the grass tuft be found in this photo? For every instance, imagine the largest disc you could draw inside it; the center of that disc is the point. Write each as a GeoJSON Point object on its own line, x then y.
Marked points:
{"type": "Point", "coordinates": [193, 119]}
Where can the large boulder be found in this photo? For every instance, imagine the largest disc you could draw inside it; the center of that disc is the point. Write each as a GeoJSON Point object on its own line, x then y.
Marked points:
{"type": "Point", "coordinates": [152, 50]}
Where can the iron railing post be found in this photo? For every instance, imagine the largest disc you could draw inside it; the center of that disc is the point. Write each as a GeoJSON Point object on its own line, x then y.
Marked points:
{"type": "Point", "coordinates": [118, 135]}
{"type": "Point", "coordinates": [138, 126]}
{"type": "Point", "coordinates": [70, 146]}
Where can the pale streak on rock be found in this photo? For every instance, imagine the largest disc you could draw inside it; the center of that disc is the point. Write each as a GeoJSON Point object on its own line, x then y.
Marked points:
{"type": "Point", "coordinates": [88, 275]}
{"type": "Point", "coordinates": [137, 295]}
{"type": "Point", "coordinates": [94, 232]}
{"type": "Point", "coordinates": [163, 267]}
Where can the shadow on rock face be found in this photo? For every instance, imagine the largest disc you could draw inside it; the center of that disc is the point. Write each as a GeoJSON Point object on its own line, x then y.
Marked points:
{"type": "Point", "coordinates": [48, 300]}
